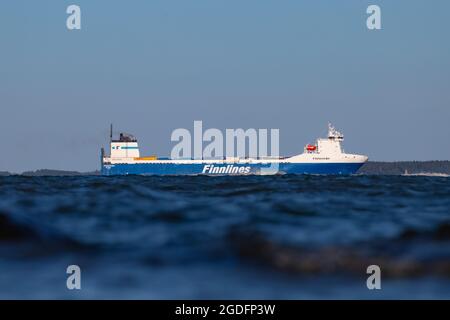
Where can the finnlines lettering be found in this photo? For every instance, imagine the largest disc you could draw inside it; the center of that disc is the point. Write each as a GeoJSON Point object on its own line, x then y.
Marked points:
{"type": "Point", "coordinates": [229, 169]}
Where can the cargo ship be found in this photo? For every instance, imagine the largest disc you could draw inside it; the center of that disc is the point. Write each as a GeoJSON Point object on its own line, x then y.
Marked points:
{"type": "Point", "coordinates": [326, 156]}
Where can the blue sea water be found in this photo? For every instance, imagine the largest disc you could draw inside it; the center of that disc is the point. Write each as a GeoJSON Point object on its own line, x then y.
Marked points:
{"type": "Point", "coordinates": [277, 237]}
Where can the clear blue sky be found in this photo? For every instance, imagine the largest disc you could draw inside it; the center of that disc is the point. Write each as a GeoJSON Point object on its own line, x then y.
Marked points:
{"type": "Point", "coordinates": [153, 66]}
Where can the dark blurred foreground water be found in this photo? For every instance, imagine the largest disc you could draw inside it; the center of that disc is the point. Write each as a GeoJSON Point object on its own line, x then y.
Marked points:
{"type": "Point", "coordinates": [279, 237]}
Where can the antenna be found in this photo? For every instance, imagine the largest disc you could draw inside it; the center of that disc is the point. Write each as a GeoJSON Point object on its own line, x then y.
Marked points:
{"type": "Point", "coordinates": [110, 133]}
{"type": "Point", "coordinates": [333, 133]}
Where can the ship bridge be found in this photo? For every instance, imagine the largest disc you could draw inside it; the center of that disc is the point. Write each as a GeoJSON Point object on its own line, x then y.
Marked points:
{"type": "Point", "coordinates": [125, 147]}
{"type": "Point", "coordinates": [331, 145]}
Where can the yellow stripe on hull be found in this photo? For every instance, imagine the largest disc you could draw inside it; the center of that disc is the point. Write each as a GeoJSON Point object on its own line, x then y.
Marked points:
{"type": "Point", "coordinates": [146, 158]}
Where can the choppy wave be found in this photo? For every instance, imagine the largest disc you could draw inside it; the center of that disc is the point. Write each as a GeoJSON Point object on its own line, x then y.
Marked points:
{"type": "Point", "coordinates": [225, 237]}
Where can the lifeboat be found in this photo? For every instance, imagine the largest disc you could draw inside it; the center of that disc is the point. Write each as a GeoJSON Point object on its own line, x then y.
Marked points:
{"type": "Point", "coordinates": [310, 147]}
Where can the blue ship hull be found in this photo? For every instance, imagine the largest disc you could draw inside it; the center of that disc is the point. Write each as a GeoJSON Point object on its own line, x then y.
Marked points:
{"type": "Point", "coordinates": [228, 169]}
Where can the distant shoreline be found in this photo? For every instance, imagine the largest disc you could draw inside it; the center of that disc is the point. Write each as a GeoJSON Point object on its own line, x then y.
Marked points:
{"type": "Point", "coordinates": [370, 168]}
{"type": "Point", "coordinates": [402, 167]}
{"type": "Point", "coordinates": [50, 173]}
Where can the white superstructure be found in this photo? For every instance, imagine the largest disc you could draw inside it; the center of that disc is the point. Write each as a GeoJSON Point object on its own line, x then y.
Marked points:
{"type": "Point", "coordinates": [327, 150]}
{"type": "Point", "coordinates": [125, 147]}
